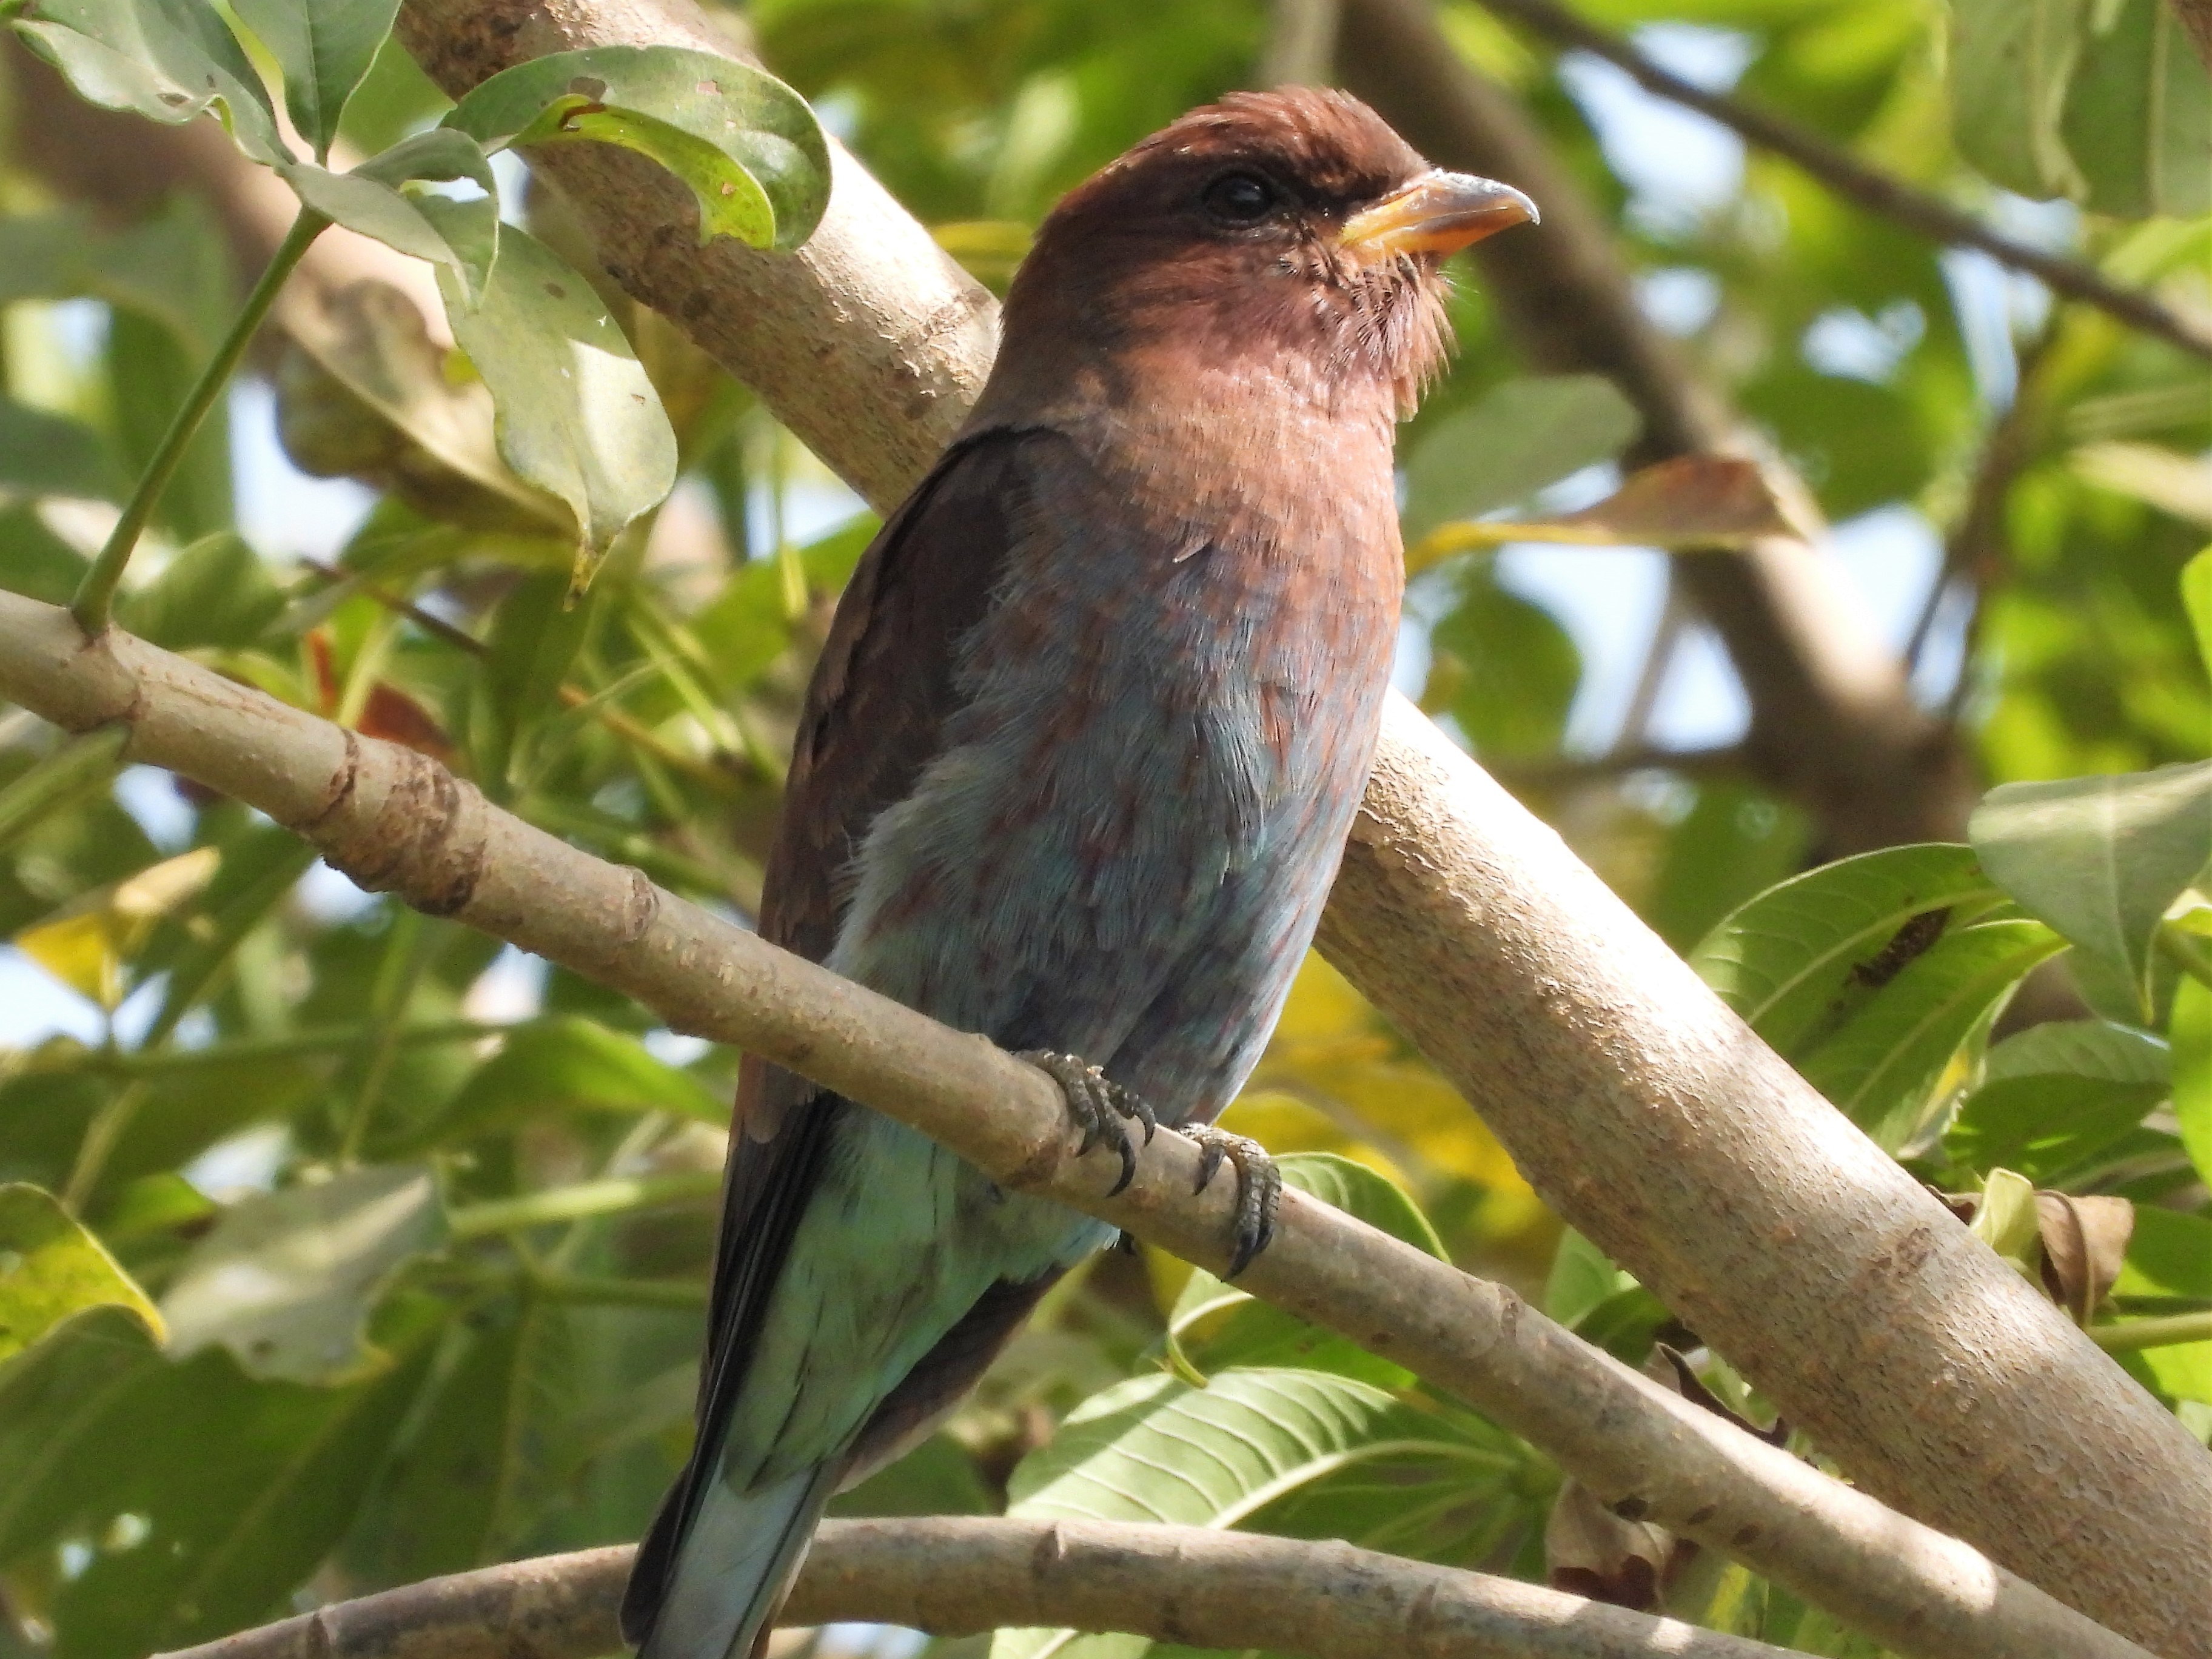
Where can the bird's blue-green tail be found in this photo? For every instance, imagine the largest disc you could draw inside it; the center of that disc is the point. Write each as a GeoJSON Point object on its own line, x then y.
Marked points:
{"type": "Point", "coordinates": [733, 1563]}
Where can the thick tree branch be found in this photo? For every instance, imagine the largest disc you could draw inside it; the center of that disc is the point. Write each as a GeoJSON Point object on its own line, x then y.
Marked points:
{"type": "Point", "coordinates": [1833, 722]}
{"type": "Point", "coordinates": [1646, 1114]}
{"type": "Point", "coordinates": [1868, 187]}
{"type": "Point", "coordinates": [956, 1576]}
{"type": "Point", "coordinates": [396, 821]}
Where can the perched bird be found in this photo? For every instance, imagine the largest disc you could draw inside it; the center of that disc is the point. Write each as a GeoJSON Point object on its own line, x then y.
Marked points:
{"type": "Point", "coordinates": [1075, 771]}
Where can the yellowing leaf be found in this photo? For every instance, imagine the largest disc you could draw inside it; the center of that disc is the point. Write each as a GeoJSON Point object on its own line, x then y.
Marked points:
{"type": "Point", "coordinates": [86, 943]}
{"type": "Point", "coordinates": [1692, 500]}
{"type": "Point", "coordinates": [51, 1267]}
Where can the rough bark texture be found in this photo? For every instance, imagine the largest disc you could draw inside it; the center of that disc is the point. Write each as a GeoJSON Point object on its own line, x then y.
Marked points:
{"type": "Point", "coordinates": [957, 1577]}
{"type": "Point", "coordinates": [396, 821]}
{"type": "Point", "coordinates": [1982, 1420]}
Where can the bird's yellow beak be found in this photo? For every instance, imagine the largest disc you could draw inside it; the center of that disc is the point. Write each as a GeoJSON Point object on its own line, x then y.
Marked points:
{"type": "Point", "coordinates": [1438, 213]}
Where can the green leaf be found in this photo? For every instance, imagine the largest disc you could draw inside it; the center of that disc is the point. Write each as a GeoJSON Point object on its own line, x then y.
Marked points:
{"type": "Point", "coordinates": [55, 1398]}
{"type": "Point", "coordinates": [1219, 1326]}
{"type": "Point", "coordinates": [577, 416]}
{"type": "Point", "coordinates": [1799, 959]}
{"type": "Point", "coordinates": [462, 237]}
{"type": "Point", "coordinates": [2197, 601]}
{"type": "Point", "coordinates": [215, 592]}
{"type": "Point", "coordinates": [286, 1279]}
{"type": "Point", "coordinates": [2169, 1255]}
{"type": "Point", "coordinates": [2101, 858]}
{"type": "Point", "coordinates": [323, 47]}
{"type": "Point", "coordinates": [1505, 667]}
{"type": "Point", "coordinates": [569, 1064]}
{"type": "Point", "coordinates": [2056, 1096]}
{"type": "Point", "coordinates": [482, 1462]}
{"type": "Point", "coordinates": [43, 454]}
{"type": "Point", "coordinates": [747, 145]}
{"type": "Point", "coordinates": [1880, 1066]}
{"type": "Point", "coordinates": [1522, 436]}
{"type": "Point", "coordinates": [2191, 1036]}
{"type": "Point", "coordinates": [237, 1489]}
{"type": "Point", "coordinates": [1600, 1303]}
{"type": "Point", "coordinates": [1251, 1445]}
{"type": "Point", "coordinates": [51, 1268]}
{"type": "Point", "coordinates": [534, 639]}
{"type": "Point", "coordinates": [2138, 114]}
{"type": "Point", "coordinates": [165, 60]}
{"type": "Point", "coordinates": [2011, 62]}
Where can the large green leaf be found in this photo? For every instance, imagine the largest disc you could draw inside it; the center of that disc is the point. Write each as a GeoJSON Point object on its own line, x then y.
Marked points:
{"type": "Point", "coordinates": [484, 1458]}
{"type": "Point", "coordinates": [165, 60]}
{"type": "Point", "coordinates": [1216, 1325]}
{"type": "Point", "coordinates": [286, 1279]}
{"type": "Point", "coordinates": [2056, 1095]}
{"type": "Point", "coordinates": [51, 1268]}
{"type": "Point", "coordinates": [1253, 1444]}
{"type": "Point", "coordinates": [1521, 436]}
{"type": "Point", "coordinates": [2191, 1031]}
{"type": "Point", "coordinates": [569, 1064]}
{"type": "Point", "coordinates": [577, 417]}
{"type": "Point", "coordinates": [1799, 959]}
{"type": "Point", "coordinates": [1503, 667]}
{"type": "Point", "coordinates": [2011, 62]}
{"type": "Point", "coordinates": [746, 144]}
{"type": "Point", "coordinates": [324, 48]}
{"type": "Point", "coordinates": [55, 1399]}
{"type": "Point", "coordinates": [42, 453]}
{"type": "Point", "coordinates": [461, 236]}
{"type": "Point", "coordinates": [1881, 1064]}
{"type": "Point", "coordinates": [215, 592]}
{"type": "Point", "coordinates": [2139, 119]}
{"type": "Point", "coordinates": [2101, 858]}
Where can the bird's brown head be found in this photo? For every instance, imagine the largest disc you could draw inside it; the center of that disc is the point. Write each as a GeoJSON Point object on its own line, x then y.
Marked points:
{"type": "Point", "coordinates": [1290, 228]}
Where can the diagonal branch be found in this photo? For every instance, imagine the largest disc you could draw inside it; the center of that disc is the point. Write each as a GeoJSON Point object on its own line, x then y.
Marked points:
{"type": "Point", "coordinates": [960, 1576]}
{"type": "Point", "coordinates": [396, 821]}
{"type": "Point", "coordinates": [1870, 187]}
{"type": "Point", "coordinates": [1647, 1114]}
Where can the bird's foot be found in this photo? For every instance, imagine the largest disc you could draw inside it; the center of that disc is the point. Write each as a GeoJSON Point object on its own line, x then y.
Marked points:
{"type": "Point", "coordinates": [1101, 1106]}
{"type": "Point", "coordinates": [1259, 1189]}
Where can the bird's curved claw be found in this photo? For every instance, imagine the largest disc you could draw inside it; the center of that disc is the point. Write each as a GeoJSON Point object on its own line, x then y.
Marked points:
{"type": "Point", "coordinates": [1259, 1189]}
{"type": "Point", "coordinates": [1100, 1106]}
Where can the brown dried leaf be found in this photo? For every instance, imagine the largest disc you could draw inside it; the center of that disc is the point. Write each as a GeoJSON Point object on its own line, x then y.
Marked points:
{"type": "Point", "coordinates": [2084, 1241]}
{"type": "Point", "coordinates": [1689, 501]}
{"type": "Point", "coordinates": [1591, 1552]}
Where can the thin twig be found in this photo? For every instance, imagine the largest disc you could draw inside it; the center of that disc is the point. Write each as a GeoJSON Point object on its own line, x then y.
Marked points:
{"type": "Point", "coordinates": [395, 820]}
{"type": "Point", "coordinates": [959, 1575]}
{"type": "Point", "coordinates": [1871, 188]}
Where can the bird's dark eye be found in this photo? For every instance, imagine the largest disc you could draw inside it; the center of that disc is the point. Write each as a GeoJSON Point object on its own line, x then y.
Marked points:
{"type": "Point", "coordinates": [1240, 198]}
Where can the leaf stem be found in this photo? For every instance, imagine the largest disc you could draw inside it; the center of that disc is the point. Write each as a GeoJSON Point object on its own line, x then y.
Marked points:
{"type": "Point", "coordinates": [2185, 949]}
{"type": "Point", "coordinates": [588, 1198]}
{"type": "Point", "coordinates": [2128, 1336]}
{"type": "Point", "coordinates": [95, 595]}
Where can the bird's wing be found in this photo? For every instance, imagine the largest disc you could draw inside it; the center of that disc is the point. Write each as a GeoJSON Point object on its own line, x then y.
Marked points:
{"type": "Point", "coordinates": [874, 716]}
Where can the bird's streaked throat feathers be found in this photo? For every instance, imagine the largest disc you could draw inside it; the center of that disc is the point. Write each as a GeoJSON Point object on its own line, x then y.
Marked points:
{"type": "Point", "coordinates": [1292, 224]}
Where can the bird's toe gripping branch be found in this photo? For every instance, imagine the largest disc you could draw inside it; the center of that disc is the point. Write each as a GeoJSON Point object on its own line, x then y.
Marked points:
{"type": "Point", "coordinates": [1258, 1188]}
{"type": "Point", "coordinates": [1101, 1106]}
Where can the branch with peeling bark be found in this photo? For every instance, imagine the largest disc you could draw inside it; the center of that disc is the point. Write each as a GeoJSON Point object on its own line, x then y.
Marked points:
{"type": "Point", "coordinates": [959, 1576]}
{"type": "Point", "coordinates": [1869, 187]}
{"type": "Point", "coordinates": [1647, 1115]}
{"type": "Point", "coordinates": [396, 821]}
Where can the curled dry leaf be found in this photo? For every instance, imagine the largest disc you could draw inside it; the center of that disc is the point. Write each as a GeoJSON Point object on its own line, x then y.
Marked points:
{"type": "Point", "coordinates": [2084, 1240]}
{"type": "Point", "coordinates": [1689, 501]}
{"type": "Point", "coordinates": [2079, 1246]}
{"type": "Point", "coordinates": [365, 393]}
{"type": "Point", "coordinates": [1590, 1551]}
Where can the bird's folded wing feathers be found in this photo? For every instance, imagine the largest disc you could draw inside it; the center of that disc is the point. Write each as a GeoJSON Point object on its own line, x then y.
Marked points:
{"type": "Point", "coordinates": [874, 716]}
